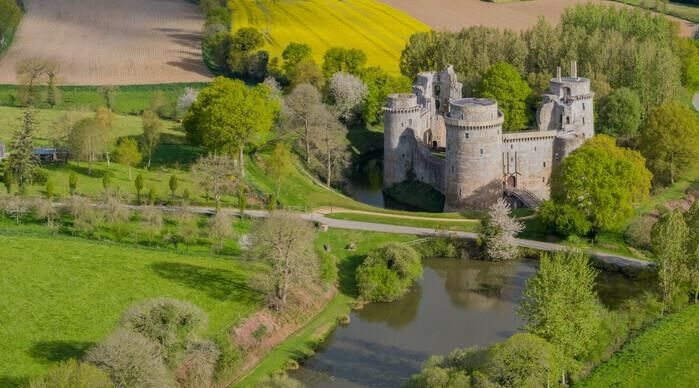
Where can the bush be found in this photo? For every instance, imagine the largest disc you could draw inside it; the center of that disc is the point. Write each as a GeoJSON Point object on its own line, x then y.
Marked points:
{"type": "Point", "coordinates": [387, 274]}
{"type": "Point", "coordinates": [168, 322]}
{"type": "Point", "coordinates": [131, 360]}
{"type": "Point", "coordinates": [197, 368]}
{"type": "Point", "coordinates": [637, 233]}
{"type": "Point", "coordinates": [72, 373]}
{"type": "Point", "coordinates": [439, 247]}
{"type": "Point", "coordinates": [279, 381]}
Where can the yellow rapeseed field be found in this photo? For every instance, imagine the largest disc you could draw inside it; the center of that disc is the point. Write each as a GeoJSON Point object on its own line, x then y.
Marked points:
{"type": "Point", "coordinates": [378, 29]}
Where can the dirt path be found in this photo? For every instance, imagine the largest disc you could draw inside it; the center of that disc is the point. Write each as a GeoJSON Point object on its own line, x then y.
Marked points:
{"type": "Point", "coordinates": [518, 16]}
{"type": "Point", "coordinates": [100, 42]}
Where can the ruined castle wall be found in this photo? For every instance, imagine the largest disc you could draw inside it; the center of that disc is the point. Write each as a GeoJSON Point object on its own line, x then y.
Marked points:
{"type": "Point", "coordinates": [528, 160]}
{"type": "Point", "coordinates": [429, 168]}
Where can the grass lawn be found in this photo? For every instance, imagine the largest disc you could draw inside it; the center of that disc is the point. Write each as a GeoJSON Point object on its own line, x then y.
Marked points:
{"type": "Point", "coordinates": [129, 99]}
{"type": "Point", "coordinates": [61, 295]}
{"type": "Point", "coordinates": [681, 10]}
{"type": "Point", "coordinates": [462, 226]}
{"type": "Point", "coordinates": [664, 355]}
{"type": "Point", "coordinates": [379, 30]}
{"type": "Point", "coordinates": [305, 341]}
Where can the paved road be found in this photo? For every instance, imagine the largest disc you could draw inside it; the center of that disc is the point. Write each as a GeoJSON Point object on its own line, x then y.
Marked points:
{"type": "Point", "coordinates": [696, 101]}
{"type": "Point", "coordinates": [608, 258]}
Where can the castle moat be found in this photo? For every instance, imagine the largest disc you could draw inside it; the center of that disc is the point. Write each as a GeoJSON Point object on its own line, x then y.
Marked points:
{"type": "Point", "coordinates": [458, 303]}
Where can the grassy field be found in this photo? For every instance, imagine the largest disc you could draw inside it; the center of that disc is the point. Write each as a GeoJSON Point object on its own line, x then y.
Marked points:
{"type": "Point", "coordinates": [683, 11]}
{"type": "Point", "coordinates": [306, 340]}
{"type": "Point", "coordinates": [128, 99]}
{"type": "Point", "coordinates": [60, 295]}
{"type": "Point", "coordinates": [379, 30]}
{"type": "Point", "coordinates": [461, 226]}
{"type": "Point", "coordinates": [665, 355]}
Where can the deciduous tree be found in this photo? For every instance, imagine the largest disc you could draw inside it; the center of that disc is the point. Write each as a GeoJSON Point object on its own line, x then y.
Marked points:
{"type": "Point", "coordinates": [126, 152]}
{"type": "Point", "coordinates": [285, 241]}
{"type": "Point", "coordinates": [346, 60]}
{"type": "Point", "coordinates": [668, 239]}
{"type": "Point", "coordinates": [280, 165]}
{"type": "Point", "coordinates": [152, 127]}
{"type": "Point", "coordinates": [329, 147]}
{"type": "Point", "coordinates": [217, 175]}
{"type": "Point", "coordinates": [220, 229]}
{"type": "Point", "coordinates": [346, 94]}
{"type": "Point", "coordinates": [670, 142]}
{"type": "Point", "coordinates": [692, 249]}
{"type": "Point", "coordinates": [600, 183]}
{"type": "Point", "coordinates": [228, 116]}
{"type": "Point", "coordinates": [499, 232]}
{"type": "Point", "coordinates": [621, 113]}
{"type": "Point", "coordinates": [89, 138]}
{"type": "Point", "coordinates": [561, 306]}
{"type": "Point", "coordinates": [503, 83]}
{"type": "Point", "coordinates": [300, 109]}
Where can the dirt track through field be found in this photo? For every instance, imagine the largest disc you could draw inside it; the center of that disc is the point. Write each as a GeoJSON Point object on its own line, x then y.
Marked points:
{"type": "Point", "coordinates": [101, 42]}
{"type": "Point", "coordinates": [453, 15]}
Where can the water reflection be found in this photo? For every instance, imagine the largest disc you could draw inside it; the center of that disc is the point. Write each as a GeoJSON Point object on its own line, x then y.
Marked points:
{"type": "Point", "coordinates": [457, 303]}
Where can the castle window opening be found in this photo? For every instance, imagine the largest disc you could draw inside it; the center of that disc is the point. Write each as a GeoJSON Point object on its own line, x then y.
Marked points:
{"type": "Point", "coordinates": [467, 135]}
{"type": "Point", "coordinates": [583, 120]}
{"type": "Point", "coordinates": [583, 106]}
{"type": "Point", "coordinates": [481, 151]}
{"type": "Point", "coordinates": [410, 122]}
{"type": "Point", "coordinates": [544, 164]}
{"type": "Point", "coordinates": [567, 119]}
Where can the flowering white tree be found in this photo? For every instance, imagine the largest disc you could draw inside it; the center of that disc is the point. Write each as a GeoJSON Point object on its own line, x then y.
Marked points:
{"type": "Point", "coordinates": [499, 232]}
{"type": "Point", "coordinates": [185, 101]}
{"type": "Point", "coordinates": [346, 92]}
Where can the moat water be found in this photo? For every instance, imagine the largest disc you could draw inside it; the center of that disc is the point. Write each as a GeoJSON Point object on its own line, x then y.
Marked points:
{"type": "Point", "coordinates": [457, 303]}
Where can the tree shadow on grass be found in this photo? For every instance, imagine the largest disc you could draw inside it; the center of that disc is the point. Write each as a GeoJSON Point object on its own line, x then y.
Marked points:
{"type": "Point", "coordinates": [218, 283]}
{"type": "Point", "coordinates": [347, 269]}
{"type": "Point", "coordinates": [53, 351]}
{"type": "Point", "coordinates": [176, 155]}
{"type": "Point", "coordinates": [14, 381]}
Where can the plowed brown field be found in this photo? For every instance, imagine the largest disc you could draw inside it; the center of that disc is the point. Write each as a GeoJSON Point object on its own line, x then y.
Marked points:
{"type": "Point", "coordinates": [456, 14]}
{"type": "Point", "coordinates": [100, 42]}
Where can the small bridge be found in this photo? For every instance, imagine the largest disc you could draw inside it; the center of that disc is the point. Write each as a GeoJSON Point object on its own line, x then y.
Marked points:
{"type": "Point", "coordinates": [526, 197]}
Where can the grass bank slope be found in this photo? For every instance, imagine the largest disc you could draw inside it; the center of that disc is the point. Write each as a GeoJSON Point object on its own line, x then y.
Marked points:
{"type": "Point", "coordinates": [380, 30]}
{"type": "Point", "coordinates": [665, 355]}
{"type": "Point", "coordinates": [62, 295]}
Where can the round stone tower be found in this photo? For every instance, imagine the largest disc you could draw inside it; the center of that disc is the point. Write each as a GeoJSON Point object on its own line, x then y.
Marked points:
{"type": "Point", "coordinates": [474, 154]}
{"type": "Point", "coordinates": [401, 117]}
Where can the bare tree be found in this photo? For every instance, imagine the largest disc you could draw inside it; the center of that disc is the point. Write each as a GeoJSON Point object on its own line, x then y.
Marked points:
{"type": "Point", "coordinates": [15, 207]}
{"type": "Point", "coordinates": [285, 241]}
{"type": "Point", "coordinates": [85, 218]}
{"type": "Point", "coordinates": [29, 71]}
{"type": "Point", "coordinates": [152, 219]}
{"type": "Point", "coordinates": [44, 210]}
{"type": "Point", "coordinates": [217, 174]}
{"type": "Point", "coordinates": [61, 127]}
{"type": "Point", "coordinates": [220, 228]}
{"type": "Point", "coordinates": [52, 69]}
{"type": "Point", "coordinates": [114, 209]}
{"type": "Point", "coordinates": [300, 111]}
{"type": "Point", "coordinates": [187, 227]}
{"type": "Point", "coordinates": [329, 146]}
{"type": "Point", "coordinates": [346, 93]}
{"type": "Point", "coordinates": [109, 94]}
{"type": "Point", "coordinates": [500, 231]}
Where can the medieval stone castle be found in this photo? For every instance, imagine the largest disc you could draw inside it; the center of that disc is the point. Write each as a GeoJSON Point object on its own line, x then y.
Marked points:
{"type": "Point", "coordinates": [457, 145]}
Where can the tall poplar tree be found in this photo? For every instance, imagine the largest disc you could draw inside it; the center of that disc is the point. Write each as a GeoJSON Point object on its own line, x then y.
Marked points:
{"type": "Point", "coordinates": [668, 238]}
{"type": "Point", "coordinates": [561, 306]}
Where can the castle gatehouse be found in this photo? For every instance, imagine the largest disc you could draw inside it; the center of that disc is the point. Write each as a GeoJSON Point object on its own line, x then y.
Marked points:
{"type": "Point", "coordinates": [457, 145]}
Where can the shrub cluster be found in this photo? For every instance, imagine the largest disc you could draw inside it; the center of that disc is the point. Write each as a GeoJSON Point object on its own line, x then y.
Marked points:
{"type": "Point", "coordinates": [387, 273]}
